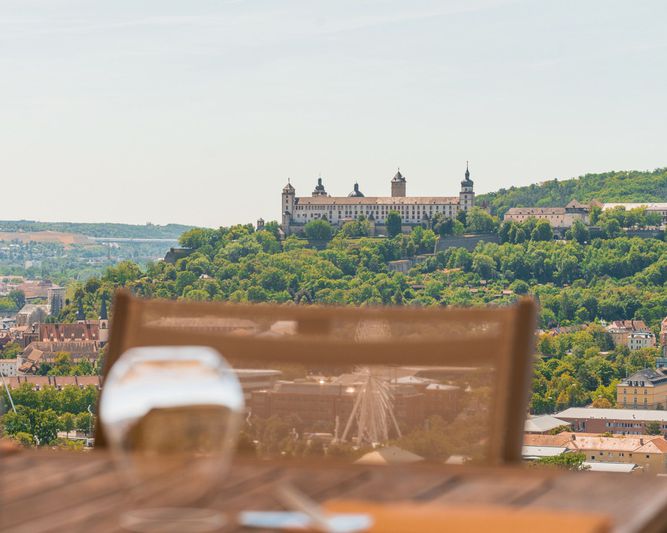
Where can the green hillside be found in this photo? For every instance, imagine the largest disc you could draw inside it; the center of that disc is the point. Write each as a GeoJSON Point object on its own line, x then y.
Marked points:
{"type": "Point", "coordinates": [99, 229]}
{"type": "Point", "coordinates": [621, 186]}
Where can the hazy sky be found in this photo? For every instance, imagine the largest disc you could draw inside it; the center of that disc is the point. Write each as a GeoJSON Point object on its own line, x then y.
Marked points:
{"type": "Point", "coordinates": [198, 111]}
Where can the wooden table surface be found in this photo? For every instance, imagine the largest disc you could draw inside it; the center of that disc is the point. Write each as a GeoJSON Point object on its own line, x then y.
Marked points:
{"type": "Point", "coordinates": [67, 491]}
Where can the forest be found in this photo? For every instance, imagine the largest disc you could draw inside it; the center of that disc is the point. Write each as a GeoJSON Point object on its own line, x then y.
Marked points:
{"type": "Point", "coordinates": [99, 229]}
{"type": "Point", "coordinates": [578, 285]}
{"type": "Point", "coordinates": [622, 186]}
{"type": "Point", "coordinates": [575, 283]}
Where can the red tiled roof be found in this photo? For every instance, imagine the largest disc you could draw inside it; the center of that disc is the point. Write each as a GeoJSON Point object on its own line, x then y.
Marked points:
{"type": "Point", "coordinates": [68, 332]}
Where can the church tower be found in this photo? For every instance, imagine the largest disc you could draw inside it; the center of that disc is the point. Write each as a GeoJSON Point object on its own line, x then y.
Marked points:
{"type": "Point", "coordinates": [398, 185]}
{"type": "Point", "coordinates": [80, 314]}
{"type": "Point", "coordinates": [104, 322]}
{"type": "Point", "coordinates": [287, 207]}
{"type": "Point", "coordinates": [467, 195]}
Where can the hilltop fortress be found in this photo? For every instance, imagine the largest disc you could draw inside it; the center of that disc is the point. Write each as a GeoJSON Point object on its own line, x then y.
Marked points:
{"type": "Point", "coordinates": [414, 210]}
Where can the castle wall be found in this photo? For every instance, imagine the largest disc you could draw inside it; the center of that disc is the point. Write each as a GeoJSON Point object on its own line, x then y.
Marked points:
{"type": "Point", "coordinates": [469, 242]}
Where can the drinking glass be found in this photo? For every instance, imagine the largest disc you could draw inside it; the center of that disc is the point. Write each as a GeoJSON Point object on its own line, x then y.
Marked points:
{"type": "Point", "coordinates": [171, 415]}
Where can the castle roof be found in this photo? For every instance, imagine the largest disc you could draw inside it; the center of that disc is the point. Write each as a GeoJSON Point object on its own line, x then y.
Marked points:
{"type": "Point", "coordinates": [398, 177]}
{"type": "Point", "coordinates": [536, 211]}
{"type": "Point", "coordinates": [376, 200]}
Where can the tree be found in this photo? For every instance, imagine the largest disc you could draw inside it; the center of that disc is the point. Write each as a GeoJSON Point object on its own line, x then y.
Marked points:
{"type": "Point", "coordinates": [579, 232]}
{"type": "Point", "coordinates": [653, 428]}
{"type": "Point", "coordinates": [601, 403]}
{"type": "Point", "coordinates": [18, 422]}
{"type": "Point", "coordinates": [565, 461]}
{"type": "Point", "coordinates": [479, 221]}
{"type": "Point", "coordinates": [46, 426]}
{"type": "Point", "coordinates": [84, 422]}
{"type": "Point", "coordinates": [484, 266]}
{"type": "Point", "coordinates": [610, 228]}
{"type": "Point", "coordinates": [596, 211]}
{"type": "Point", "coordinates": [394, 224]}
{"type": "Point", "coordinates": [357, 228]}
{"type": "Point", "coordinates": [432, 442]}
{"type": "Point", "coordinates": [10, 351]}
{"type": "Point", "coordinates": [67, 423]}
{"type": "Point", "coordinates": [24, 439]}
{"type": "Point", "coordinates": [318, 230]}
{"type": "Point", "coordinates": [520, 287]}
{"type": "Point", "coordinates": [18, 297]}
{"type": "Point", "coordinates": [542, 231]}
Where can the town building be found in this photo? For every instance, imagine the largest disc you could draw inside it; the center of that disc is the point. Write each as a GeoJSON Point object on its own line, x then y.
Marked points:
{"type": "Point", "coordinates": [558, 217]}
{"type": "Point", "coordinates": [9, 367]}
{"type": "Point", "coordinates": [617, 421]}
{"type": "Point", "coordinates": [645, 389]}
{"type": "Point", "coordinates": [39, 352]}
{"type": "Point", "coordinates": [663, 337]}
{"type": "Point", "coordinates": [58, 382]}
{"type": "Point", "coordinates": [35, 289]}
{"type": "Point", "coordinates": [544, 424]}
{"type": "Point", "coordinates": [256, 379]}
{"type": "Point", "coordinates": [634, 334]}
{"type": "Point", "coordinates": [31, 314]}
{"type": "Point", "coordinates": [103, 324]}
{"type": "Point", "coordinates": [324, 404]}
{"type": "Point", "coordinates": [55, 296]}
{"type": "Point", "coordinates": [649, 452]}
{"type": "Point", "coordinates": [68, 332]}
{"type": "Point", "coordinates": [7, 323]}
{"type": "Point", "coordinates": [651, 207]}
{"type": "Point", "coordinates": [414, 210]}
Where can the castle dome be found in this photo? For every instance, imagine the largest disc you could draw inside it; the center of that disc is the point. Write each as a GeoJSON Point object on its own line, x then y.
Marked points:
{"type": "Point", "coordinates": [356, 193]}
{"type": "Point", "coordinates": [467, 182]}
{"type": "Point", "coordinates": [319, 189]}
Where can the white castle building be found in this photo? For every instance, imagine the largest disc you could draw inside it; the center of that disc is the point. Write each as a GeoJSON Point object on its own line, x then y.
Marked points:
{"type": "Point", "coordinates": [414, 210]}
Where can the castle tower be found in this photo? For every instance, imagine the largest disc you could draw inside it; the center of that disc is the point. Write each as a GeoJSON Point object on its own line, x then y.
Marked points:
{"type": "Point", "coordinates": [467, 195]}
{"type": "Point", "coordinates": [104, 322]}
{"type": "Point", "coordinates": [319, 189]}
{"type": "Point", "coordinates": [398, 185]}
{"type": "Point", "coordinates": [287, 206]}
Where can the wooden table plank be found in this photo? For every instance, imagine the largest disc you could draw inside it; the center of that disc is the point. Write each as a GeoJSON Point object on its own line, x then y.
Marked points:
{"type": "Point", "coordinates": [82, 492]}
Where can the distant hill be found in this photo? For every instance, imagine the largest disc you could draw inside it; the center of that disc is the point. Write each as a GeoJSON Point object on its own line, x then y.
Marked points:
{"type": "Point", "coordinates": [622, 186]}
{"type": "Point", "coordinates": [98, 229]}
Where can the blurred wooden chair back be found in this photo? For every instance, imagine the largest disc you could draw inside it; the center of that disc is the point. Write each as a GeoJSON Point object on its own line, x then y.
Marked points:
{"type": "Point", "coordinates": [498, 337]}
